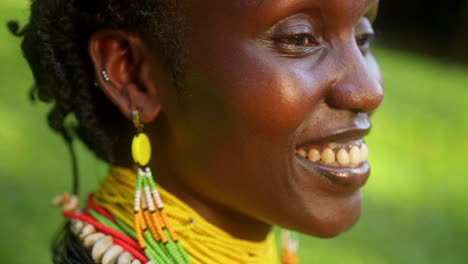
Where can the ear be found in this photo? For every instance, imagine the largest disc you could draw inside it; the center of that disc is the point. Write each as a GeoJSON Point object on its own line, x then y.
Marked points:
{"type": "Point", "coordinates": [127, 62]}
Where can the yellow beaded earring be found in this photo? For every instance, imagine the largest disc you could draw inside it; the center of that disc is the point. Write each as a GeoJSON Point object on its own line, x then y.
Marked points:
{"type": "Point", "coordinates": [152, 230]}
{"type": "Point", "coordinates": [141, 146]}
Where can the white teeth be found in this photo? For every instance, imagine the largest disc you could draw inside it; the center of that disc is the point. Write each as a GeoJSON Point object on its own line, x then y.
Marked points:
{"type": "Point", "coordinates": [343, 157]}
{"type": "Point", "coordinates": [313, 155]}
{"type": "Point", "coordinates": [328, 156]}
{"type": "Point", "coordinates": [364, 153]}
{"type": "Point", "coordinates": [355, 156]}
{"type": "Point", "coordinates": [301, 152]}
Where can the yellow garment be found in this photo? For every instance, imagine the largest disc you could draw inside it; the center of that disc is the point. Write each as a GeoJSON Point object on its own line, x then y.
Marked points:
{"type": "Point", "coordinates": [203, 242]}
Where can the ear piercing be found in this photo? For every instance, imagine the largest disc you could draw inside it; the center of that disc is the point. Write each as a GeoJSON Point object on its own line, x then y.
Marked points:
{"type": "Point", "coordinates": [105, 76]}
{"type": "Point", "coordinates": [136, 121]}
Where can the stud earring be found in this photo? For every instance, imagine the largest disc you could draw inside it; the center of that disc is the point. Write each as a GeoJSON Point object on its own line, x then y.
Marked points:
{"type": "Point", "coordinates": [105, 76]}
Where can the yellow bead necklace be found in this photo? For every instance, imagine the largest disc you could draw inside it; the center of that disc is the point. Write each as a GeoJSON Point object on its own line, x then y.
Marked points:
{"type": "Point", "coordinates": [203, 242]}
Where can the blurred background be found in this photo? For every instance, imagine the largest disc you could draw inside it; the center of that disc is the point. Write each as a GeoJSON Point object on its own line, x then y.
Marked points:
{"type": "Point", "coordinates": [415, 203]}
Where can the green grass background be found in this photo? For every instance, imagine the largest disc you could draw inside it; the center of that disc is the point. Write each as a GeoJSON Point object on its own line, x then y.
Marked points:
{"type": "Point", "coordinates": [415, 204]}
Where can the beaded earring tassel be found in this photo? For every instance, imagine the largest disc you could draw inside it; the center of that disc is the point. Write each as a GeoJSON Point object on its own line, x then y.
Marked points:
{"type": "Point", "coordinates": [290, 246]}
{"type": "Point", "coordinates": [153, 232]}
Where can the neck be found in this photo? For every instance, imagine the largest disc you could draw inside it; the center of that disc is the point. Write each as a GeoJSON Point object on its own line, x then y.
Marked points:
{"type": "Point", "coordinates": [206, 233]}
{"type": "Point", "coordinates": [234, 223]}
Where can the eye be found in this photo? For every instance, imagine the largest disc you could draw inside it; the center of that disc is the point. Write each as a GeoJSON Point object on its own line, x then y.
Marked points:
{"type": "Point", "coordinates": [297, 40]}
{"type": "Point", "coordinates": [364, 35]}
{"type": "Point", "coordinates": [295, 45]}
{"type": "Point", "coordinates": [364, 39]}
{"type": "Point", "coordinates": [293, 37]}
{"type": "Point", "coordinates": [364, 42]}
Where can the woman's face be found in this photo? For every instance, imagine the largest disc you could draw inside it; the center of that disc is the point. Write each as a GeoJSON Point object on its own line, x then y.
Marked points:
{"type": "Point", "coordinates": [266, 83]}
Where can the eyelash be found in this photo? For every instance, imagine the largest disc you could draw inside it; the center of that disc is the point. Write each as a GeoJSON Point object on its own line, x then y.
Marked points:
{"type": "Point", "coordinates": [303, 43]}
{"type": "Point", "coordinates": [298, 40]}
{"type": "Point", "coordinates": [364, 41]}
{"type": "Point", "coordinates": [296, 45]}
{"type": "Point", "coordinates": [361, 40]}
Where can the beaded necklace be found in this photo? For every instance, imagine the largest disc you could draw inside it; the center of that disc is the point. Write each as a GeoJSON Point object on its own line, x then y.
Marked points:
{"type": "Point", "coordinates": [105, 226]}
{"type": "Point", "coordinates": [204, 242]}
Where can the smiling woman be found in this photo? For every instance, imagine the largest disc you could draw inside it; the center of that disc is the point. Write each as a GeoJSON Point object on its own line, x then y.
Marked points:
{"type": "Point", "coordinates": [256, 113]}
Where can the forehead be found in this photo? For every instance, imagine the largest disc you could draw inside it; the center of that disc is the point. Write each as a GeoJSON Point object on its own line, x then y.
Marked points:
{"type": "Point", "coordinates": [268, 11]}
{"type": "Point", "coordinates": [258, 5]}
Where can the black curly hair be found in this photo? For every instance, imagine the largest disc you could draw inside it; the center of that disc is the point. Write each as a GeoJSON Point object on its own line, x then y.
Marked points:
{"type": "Point", "coordinates": [56, 46]}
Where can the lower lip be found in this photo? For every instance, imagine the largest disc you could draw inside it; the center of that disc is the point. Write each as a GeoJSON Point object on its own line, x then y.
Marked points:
{"type": "Point", "coordinates": [345, 180]}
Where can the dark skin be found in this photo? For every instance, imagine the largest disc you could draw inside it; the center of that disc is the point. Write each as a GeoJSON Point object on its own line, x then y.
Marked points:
{"type": "Point", "coordinates": [261, 79]}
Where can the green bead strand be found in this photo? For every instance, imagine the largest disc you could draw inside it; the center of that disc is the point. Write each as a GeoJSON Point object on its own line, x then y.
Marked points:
{"type": "Point", "coordinates": [104, 220]}
{"type": "Point", "coordinates": [127, 230]}
{"type": "Point", "coordinates": [139, 181]}
{"type": "Point", "coordinates": [155, 247]}
{"type": "Point", "coordinates": [169, 252]}
{"type": "Point", "coordinates": [172, 248]}
{"type": "Point", "coordinates": [181, 249]}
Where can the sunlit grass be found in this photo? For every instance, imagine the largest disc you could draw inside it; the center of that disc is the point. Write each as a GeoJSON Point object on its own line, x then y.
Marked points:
{"type": "Point", "coordinates": [414, 203]}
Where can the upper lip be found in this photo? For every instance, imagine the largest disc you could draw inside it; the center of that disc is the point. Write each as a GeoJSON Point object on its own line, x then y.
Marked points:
{"type": "Point", "coordinates": [343, 135]}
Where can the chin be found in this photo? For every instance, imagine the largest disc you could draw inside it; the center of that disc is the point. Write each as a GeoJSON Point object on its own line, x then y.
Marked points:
{"type": "Point", "coordinates": [334, 219]}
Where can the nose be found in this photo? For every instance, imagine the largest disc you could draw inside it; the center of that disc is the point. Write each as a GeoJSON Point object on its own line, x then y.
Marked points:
{"type": "Point", "coordinates": [358, 86]}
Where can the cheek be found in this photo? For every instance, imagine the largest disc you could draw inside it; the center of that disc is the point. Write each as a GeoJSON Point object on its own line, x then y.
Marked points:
{"type": "Point", "coordinates": [242, 114]}
{"type": "Point", "coordinates": [269, 94]}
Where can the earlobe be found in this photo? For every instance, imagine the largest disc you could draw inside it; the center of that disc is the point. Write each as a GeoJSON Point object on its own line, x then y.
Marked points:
{"type": "Point", "coordinates": [147, 103]}
{"type": "Point", "coordinates": [120, 62]}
